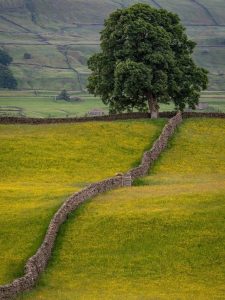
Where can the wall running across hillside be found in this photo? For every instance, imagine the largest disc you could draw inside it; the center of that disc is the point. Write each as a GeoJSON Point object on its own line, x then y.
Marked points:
{"type": "Point", "coordinates": [37, 263]}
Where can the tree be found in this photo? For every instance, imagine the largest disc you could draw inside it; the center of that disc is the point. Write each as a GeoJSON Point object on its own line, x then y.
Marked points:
{"type": "Point", "coordinates": [63, 96]}
{"type": "Point", "coordinates": [5, 58]}
{"type": "Point", "coordinates": [27, 55]}
{"type": "Point", "coordinates": [7, 79]}
{"type": "Point", "coordinates": [145, 59]}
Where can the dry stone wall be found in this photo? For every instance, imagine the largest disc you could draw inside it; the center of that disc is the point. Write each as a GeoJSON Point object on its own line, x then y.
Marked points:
{"type": "Point", "coordinates": [36, 121]}
{"type": "Point", "coordinates": [203, 115]}
{"type": "Point", "coordinates": [160, 144]}
{"type": "Point", "coordinates": [126, 116]}
{"type": "Point", "coordinates": [37, 263]}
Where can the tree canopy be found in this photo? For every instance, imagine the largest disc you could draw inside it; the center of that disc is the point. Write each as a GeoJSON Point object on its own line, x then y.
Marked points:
{"type": "Point", "coordinates": [5, 58]}
{"type": "Point", "coordinates": [7, 79]}
{"type": "Point", "coordinates": [63, 96]}
{"type": "Point", "coordinates": [145, 59]}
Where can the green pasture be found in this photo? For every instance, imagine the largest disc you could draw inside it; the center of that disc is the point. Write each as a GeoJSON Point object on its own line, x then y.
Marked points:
{"type": "Point", "coordinates": [161, 239]}
{"type": "Point", "coordinates": [41, 55]}
{"type": "Point", "coordinates": [48, 107]}
{"type": "Point", "coordinates": [215, 55]}
{"type": "Point", "coordinates": [217, 9]}
{"type": "Point", "coordinates": [42, 165]}
{"type": "Point", "coordinates": [207, 36]}
{"type": "Point", "coordinates": [38, 77]}
{"type": "Point", "coordinates": [215, 104]}
{"type": "Point", "coordinates": [188, 11]}
{"type": "Point", "coordinates": [16, 37]}
{"type": "Point", "coordinates": [42, 104]}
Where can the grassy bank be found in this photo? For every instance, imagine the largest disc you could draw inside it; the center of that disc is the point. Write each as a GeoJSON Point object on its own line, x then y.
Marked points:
{"type": "Point", "coordinates": [162, 239]}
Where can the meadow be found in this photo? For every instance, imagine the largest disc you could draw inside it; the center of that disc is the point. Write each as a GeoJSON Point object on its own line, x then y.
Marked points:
{"type": "Point", "coordinates": [42, 165]}
{"type": "Point", "coordinates": [161, 239]}
{"type": "Point", "coordinates": [42, 104]}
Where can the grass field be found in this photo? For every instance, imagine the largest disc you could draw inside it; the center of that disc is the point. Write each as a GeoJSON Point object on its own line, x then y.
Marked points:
{"type": "Point", "coordinates": [162, 239]}
{"type": "Point", "coordinates": [47, 107]}
{"type": "Point", "coordinates": [41, 165]}
{"type": "Point", "coordinates": [44, 105]}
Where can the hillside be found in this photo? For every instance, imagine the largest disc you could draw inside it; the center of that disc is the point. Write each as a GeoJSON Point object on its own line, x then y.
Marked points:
{"type": "Point", "coordinates": [163, 239]}
{"type": "Point", "coordinates": [46, 164]}
{"type": "Point", "coordinates": [60, 35]}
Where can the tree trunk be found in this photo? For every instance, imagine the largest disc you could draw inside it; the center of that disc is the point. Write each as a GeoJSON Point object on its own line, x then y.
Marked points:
{"type": "Point", "coordinates": [153, 107]}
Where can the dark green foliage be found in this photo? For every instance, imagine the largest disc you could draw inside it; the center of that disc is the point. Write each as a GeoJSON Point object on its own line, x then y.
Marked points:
{"type": "Point", "coordinates": [7, 79]}
{"type": "Point", "coordinates": [30, 5]}
{"type": "Point", "coordinates": [5, 58]}
{"type": "Point", "coordinates": [27, 56]}
{"type": "Point", "coordinates": [63, 96]}
{"type": "Point", "coordinates": [145, 59]}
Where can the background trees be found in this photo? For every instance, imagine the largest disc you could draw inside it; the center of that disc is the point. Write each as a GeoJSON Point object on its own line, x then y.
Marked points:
{"type": "Point", "coordinates": [145, 59]}
{"type": "Point", "coordinates": [5, 58]}
{"type": "Point", "coordinates": [7, 79]}
{"type": "Point", "coordinates": [63, 96]}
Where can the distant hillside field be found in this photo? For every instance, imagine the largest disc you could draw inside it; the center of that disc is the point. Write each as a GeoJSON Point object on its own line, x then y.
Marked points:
{"type": "Point", "coordinates": [61, 35]}
{"type": "Point", "coordinates": [162, 239]}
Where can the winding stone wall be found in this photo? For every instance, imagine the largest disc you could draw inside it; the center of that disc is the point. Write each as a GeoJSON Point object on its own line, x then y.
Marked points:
{"type": "Point", "coordinates": [37, 263]}
{"type": "Point", "coordinates": [160, 144]}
